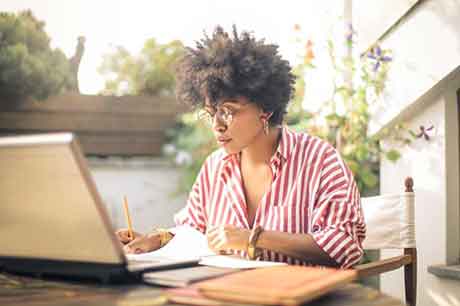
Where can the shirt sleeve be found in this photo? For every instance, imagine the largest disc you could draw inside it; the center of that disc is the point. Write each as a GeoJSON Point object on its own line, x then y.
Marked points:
{"type": "Point", "coordinates": [193, 214]}
{"type": "Point", "coordinates": [338, 224]}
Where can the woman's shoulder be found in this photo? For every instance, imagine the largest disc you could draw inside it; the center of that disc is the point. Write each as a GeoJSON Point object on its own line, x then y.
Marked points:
{"type": "Point", "coordinates": [320, 152]}
{"type": "Point", "coordinates": [312, 144]}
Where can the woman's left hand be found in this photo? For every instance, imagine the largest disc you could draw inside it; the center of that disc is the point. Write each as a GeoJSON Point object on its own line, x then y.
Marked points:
{"type": "Point", "coordinates": [227, 237]}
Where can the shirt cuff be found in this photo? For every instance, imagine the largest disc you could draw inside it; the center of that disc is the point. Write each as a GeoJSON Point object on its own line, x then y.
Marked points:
{"type": "Point", "coordinates": [339, 246]}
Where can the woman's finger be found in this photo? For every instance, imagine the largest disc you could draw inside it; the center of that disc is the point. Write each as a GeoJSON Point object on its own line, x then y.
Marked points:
{"type": "Point", "coordinates": [212, 235]}
{"type": "Point", "coordinates": [138, 245]}
{"type": "Point", "coordinates": [214, 240]}
{"type": "Point", "coordinates": [210, 241]}
{"type": "Point", "coordinates": [219, 245]}
{"type": "Point", "coordinates": [129, 249]}
{"type": "Point", "coordinates": [123, 236]}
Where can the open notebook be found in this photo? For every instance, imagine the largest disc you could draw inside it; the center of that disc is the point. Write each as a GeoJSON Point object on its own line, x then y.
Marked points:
{"type": "Point", "coordinates": [190, 244]}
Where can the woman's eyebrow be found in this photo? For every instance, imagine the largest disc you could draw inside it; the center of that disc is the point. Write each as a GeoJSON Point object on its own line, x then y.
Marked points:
{"type": "Point", "coordinates": [231, 103]}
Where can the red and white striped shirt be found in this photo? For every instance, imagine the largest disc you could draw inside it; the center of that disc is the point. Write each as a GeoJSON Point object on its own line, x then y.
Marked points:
{"type": "Point", "coordinates": [312, 192]}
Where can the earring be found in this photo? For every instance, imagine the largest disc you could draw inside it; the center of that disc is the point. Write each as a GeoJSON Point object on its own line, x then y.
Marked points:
{"type": "Point", "coordinates": [265, 124]}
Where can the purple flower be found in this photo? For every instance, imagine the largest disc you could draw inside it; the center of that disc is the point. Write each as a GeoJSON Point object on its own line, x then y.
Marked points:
{"type": "Point", "coordinates": [378, 56]}
{"type": "Point", "coordinates": [349, 34]}
{"type": "Point", "coordinates": [423, 132]}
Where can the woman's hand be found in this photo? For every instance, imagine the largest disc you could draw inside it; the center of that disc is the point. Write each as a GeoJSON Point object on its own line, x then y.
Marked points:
{"type": "Point", "coordinates": [140, 244]}
{"type": "Point", "coordinates": [227, 237]}
{"type": "Point", "coordinates": [143, 244]}
{"type": "Point", "coordinates": [123, 235]}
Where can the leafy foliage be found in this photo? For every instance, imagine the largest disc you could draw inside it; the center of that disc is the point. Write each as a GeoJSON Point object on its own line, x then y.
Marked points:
{"type": "Point", "coordinates": [195, 138]}
{"type": "Point", "coordinates": [342, 119]}
{"type": "Point", "coordinates": [28, 66]}
{"type": "Point", "coordinates": [345, 130]}
{"type": "Point", "coordinates": [149, 73]}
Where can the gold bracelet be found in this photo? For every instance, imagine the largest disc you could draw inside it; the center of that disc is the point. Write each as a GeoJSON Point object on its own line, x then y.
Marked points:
{"type": "Point", "coordinates": [165, 236]}
{"type": "Point", "coordinates": [253, 251]}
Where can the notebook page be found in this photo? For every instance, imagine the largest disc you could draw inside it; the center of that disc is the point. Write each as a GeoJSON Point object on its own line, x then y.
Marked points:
{"type": "Point", "coordinates": [186, 244]}
{"type": "Point", "coordinates": [190, 244]}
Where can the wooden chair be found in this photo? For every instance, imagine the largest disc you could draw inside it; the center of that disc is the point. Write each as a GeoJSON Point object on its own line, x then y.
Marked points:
{"type": "Point", "coordinates": [390, 224]}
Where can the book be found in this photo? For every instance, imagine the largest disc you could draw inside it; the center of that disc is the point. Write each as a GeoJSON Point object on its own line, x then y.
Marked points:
{"type": "Point", "coordinates": [190, 244]}
{"type": "Point", "coordinates": [184, 276]}
{"type": "Point", "coordinates": [284, 285]}
{"type": "Point", "coordinates": [192, 296]}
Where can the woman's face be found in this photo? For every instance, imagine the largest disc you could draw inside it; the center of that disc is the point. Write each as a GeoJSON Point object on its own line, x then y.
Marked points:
{"type": "Point", "coordinates": [236, 123]}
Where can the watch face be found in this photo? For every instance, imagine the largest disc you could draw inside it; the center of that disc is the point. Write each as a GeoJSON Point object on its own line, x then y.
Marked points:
{"type": "Point", "coordinates": [253, 251]}
{"type": "Point", "coordinates": [250, 252]}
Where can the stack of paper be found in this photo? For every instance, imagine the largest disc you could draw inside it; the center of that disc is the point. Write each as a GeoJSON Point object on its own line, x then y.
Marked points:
{"type": "Point", "coordinates": [189, 243]}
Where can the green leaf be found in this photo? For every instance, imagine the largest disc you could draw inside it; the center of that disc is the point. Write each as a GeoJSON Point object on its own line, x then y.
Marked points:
{"type": "Point", "coordinates": [369, 178]}
{"type": "Point", "coordinates": [362, 152]}
{"type": "Point", "coordinates": [392, 155]}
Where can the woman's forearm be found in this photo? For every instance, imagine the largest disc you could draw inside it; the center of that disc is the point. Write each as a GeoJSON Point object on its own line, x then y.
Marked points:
{"type": "Point", "coordinates": [300, 246]}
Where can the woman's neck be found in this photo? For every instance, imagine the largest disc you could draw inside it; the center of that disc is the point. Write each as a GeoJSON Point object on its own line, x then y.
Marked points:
{"type": "Point", "coordinates": [263, 147]}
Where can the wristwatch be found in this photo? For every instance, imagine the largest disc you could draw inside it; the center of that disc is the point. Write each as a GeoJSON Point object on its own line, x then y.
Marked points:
{"type": "Point", "coordinates": [253, 251]}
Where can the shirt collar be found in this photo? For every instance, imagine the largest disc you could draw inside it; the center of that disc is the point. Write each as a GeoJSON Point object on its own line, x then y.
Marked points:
{"type": "Point", "coordinates": [286, 143]}
{"type": "Point", "coordinates": [227, 156]}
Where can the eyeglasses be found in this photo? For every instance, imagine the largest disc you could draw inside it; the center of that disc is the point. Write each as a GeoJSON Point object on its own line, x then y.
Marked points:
{"type": "Point", "coordinates": [223, 113]}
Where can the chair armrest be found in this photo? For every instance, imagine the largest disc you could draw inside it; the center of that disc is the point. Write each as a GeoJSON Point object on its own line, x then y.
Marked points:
{"type": "Point", "coordinates": [381, 266]}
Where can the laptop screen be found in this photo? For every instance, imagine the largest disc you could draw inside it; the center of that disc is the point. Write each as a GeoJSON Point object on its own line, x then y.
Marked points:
{"type": "Point", "coordinates": [50, 208]}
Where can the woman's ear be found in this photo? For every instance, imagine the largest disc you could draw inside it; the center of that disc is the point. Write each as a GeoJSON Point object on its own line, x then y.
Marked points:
{"type": "Point", "coordinates": [266, 115]}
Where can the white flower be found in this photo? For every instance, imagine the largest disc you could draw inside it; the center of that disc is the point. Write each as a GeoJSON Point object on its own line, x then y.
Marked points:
{"type": "Point", "coordinates": [371, 95]}
{"type": "Point", "coordinates": [169, 149]}
{"type": "Point", "coordinates": [183, 158]}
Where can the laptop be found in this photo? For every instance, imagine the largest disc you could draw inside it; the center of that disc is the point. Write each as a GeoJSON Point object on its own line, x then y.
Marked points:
{"type": "Point", "coordinates": [52, 219]}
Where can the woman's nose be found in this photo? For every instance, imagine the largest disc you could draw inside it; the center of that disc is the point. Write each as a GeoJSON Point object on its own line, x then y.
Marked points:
{"type": "Point", "coordinates": [218, 124]}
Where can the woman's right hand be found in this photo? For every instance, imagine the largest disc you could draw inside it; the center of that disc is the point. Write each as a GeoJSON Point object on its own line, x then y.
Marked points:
{"type": "Point", "coordinates": [124, 237]}
{"type": "Point", "coordinates": [140, 244]}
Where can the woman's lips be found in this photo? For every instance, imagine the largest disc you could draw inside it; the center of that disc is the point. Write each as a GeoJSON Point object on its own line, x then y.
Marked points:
{"type": "Point", "coordinates": [223, 141]}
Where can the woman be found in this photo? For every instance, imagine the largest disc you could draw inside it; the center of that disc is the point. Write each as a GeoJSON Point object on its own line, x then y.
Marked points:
{"type": "Point", "coordinates": [269, 191]}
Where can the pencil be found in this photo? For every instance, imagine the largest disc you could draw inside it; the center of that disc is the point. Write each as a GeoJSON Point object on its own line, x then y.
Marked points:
{"type": "Point", "coordinates": [128, 218]}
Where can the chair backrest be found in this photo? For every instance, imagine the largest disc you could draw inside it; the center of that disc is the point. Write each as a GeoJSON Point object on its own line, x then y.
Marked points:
{"type": "Point", "coordinates": [390, 221]}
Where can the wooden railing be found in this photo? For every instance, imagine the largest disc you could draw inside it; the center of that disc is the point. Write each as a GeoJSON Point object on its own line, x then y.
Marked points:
{"type": "Point", "coordinates": [105, 125]}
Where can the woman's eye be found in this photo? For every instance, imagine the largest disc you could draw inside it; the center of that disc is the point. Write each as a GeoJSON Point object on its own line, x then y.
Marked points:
{"type": "Point", "coordinates": [227, 111]}
{"type": "Point", "coordinates": [210, 113]}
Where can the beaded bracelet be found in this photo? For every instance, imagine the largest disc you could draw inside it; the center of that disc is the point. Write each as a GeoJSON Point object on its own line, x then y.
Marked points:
{"type": "Point", "coordinates": [165, 236]}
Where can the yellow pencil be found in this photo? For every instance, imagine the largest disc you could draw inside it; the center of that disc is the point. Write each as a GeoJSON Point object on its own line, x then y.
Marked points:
{"type": "Point", "coordinates": [128, 218]}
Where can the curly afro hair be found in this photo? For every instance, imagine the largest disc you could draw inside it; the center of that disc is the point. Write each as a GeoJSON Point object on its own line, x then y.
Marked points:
{"type": "Point", "coordinates": [223, 67]}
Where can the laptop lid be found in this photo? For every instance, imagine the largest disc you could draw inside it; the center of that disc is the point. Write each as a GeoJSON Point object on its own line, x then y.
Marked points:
{"type": "Point", "coordinates": [50, 208]}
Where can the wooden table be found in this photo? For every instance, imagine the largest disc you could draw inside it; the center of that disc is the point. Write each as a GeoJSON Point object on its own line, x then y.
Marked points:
{"type": "Point", "coordinates": [20, 290]}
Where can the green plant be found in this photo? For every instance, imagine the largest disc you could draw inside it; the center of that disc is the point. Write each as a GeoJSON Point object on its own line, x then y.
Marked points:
{"type": "Point", "coordinates": [28, 66]}
{"type": "Point", "coordinates": [149, 73]}
{"type": "Point", "coordinates": [192, 138]}
{"type": "Point", "coordinates": [344, 117]}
